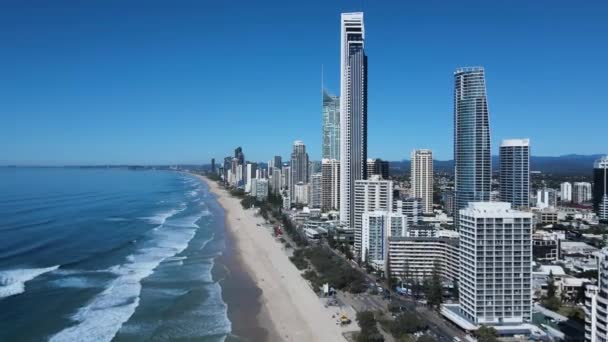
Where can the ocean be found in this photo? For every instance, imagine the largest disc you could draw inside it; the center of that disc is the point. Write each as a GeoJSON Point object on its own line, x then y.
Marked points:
{"type": "Point", "coordinates": [109, 254]}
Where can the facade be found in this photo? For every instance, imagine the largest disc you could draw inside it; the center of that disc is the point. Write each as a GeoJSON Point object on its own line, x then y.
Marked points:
{"type": "Point", "coordinates": [546, 198]}
{"type": "Point", "coordinates": [378, 226]}
{"type": "Point", "coordinates": [495, 264]}
{"type": "Point", "coordinates": [299, 164]}
{"type": "Point", "coordinates": [314, 166]}
{"type": "Point", "coordinates": [287, 178]}
{"type": "Point", "coordinates": [411, 208]}
{"type": "Point", "coordinates": [596, 303]}
{"type": "Point", "coordinates": [370, 195]}
{"type": "Point", "coordinates": [330, 179]}
{"type": "Point", "coordinates": [261, 189]}
{"type": "Point", "coordinates": [353, 112]}
{"type": "Point", "coordinates": [581, 192]}
{"type": "Point", "coordinates": [300, 192]}
{"type": "Point", "coordinates": [566, 192]}
{"type": "Point", "coordinates": [316, 187]}
{"type": "Point", "coordinates": [331, 126]}
{"type": "Point", "coordinates": [377, 167]}
{"type": "Point", "coordinates": [515, 172]}
{"type": "Point", "coordinates": [240, 157]}
{"type": "Point", "coordinates": [416, 257]}
{"type": "Point", "coordinates": [472, 163]}
{"type": "Point", "coordinates": [276, 183]}
{"type": "Point", "coordinates": [251, 171]}
{"type": "Point", "coordinates": [600, 188]}
{"type": "Point", "coordinates": [422, 178]}
{"type": "Point", "coordinates": [277, 162]}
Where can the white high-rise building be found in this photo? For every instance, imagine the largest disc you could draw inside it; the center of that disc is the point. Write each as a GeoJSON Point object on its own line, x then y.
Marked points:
{"type": "Point", "coordinates": [353, 111]}
{"type": "Point", "coordinates": [300, 192]}
{"type": "Point", "coordinates": [411, 208]}
{"type": "Point", "coordinates": [422, 178]}
{"type": "Point", "coordinates": [581, 192]}
{"type": "Point", "coordinates": [261, 189]}
{"type": "Point", "coordinates": [566, 192]}
{"type": "Point", "coordinates": [316, 188]}
{"type": "Point", "coordinates": [596, 301]}
{"type": "Point", "coordinates": [378, 226]}
{"type": "Point", "coordinates": [495, 283]}
{"type": "Point", "coordinates": [370, 195]}
{"type": "Point", "coordinates": [330, 192]}
{"type": "Point", "coordinates": [546, 198]}
{"type": "Point", "coordinates": [251, 173]}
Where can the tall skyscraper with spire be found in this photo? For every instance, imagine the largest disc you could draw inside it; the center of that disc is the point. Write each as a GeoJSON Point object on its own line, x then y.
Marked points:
{"type": "Point", "coordinates": [353, 111]}
{"type": "Point", "coordinates": [472, 161]}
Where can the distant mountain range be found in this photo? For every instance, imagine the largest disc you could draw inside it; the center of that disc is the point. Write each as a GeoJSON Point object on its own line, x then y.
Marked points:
{"type": "Point", "coordinates": [571, 164]}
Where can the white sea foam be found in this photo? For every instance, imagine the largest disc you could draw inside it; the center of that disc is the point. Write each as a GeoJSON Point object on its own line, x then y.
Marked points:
{"type": "Point", "coordinates": [162, 217]}
{"type": "Point", "coordinates": [103, 317]}
{"type": "Point", "coordinates": [204, 244]}
{"type": "Point", "coordinates": [12, 282]}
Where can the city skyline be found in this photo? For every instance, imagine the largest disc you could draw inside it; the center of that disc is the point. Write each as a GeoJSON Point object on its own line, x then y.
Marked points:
{"type": "Point", "coordinates": [84, 116]}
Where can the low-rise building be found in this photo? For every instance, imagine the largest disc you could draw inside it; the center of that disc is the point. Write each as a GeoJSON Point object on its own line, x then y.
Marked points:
{"type": "Point", "coordinates": [416, 257]}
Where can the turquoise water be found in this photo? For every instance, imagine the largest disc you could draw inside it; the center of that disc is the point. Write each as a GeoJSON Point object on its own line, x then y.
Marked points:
{"type": "Point", "coordinates": [108, 254]}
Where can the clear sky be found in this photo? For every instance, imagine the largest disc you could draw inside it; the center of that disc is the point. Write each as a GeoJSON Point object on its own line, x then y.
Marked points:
{"type": "Point", "coordinates": [118, 81]}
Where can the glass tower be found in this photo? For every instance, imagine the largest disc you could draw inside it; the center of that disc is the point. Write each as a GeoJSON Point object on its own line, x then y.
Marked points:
{"type": "Point", "coordinates": [600, 188]}
{"type": "Point", "coordinates": [515, 172]}
{"type": "Point", "coordinates": [353, 113]}
{"type": "Point", "coordinates": [472, 162]}
{"type": "Point", "coordinates": [331, 126]}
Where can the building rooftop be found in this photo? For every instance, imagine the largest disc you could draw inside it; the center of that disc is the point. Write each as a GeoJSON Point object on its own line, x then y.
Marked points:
{"type": "Point", "coordinates": [493, 209]}
{"type": "Point", "coordinates": [515, 142]}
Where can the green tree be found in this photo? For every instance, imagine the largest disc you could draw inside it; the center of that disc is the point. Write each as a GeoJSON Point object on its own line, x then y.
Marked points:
{"type": "Point", "coordinates": [487, 334]}
{"type": "Point", "coordinates": [550, 286]}
{"type": "Point", "coordinates": [434, 288]}
{"type": "Point", "coordinates": [426, 338]}
{"type": "Point", "coordinates": [369, 330]}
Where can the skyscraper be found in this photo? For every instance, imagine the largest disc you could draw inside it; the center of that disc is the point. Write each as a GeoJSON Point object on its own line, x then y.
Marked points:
{"type": "Point", "coordinates": [377, 167]}
{"type": "Point", "coordinates": [331, 126]}
{"type": "Point", "coordinates": [472, 163]}
{"type": "Point", "coordinates": [238, 154]}
{"type": "Point", "coordinates": [515, 172]}
{"type": "Point", "coordinates": [495, 282]}
{"type": "Point", "coordinates": [600, 188]}
{"type": "Point", "coordinates": [278, 163]}
{"type": "Point", "coordinates": [566, 192]}
{"type": "Point", "coordinates": [299, 165]}
{"type": "Point", "coordinates": [316, 187]}
{"type": "Point", "coordinates": [353, 111]}
{"type": "Point", "coordinates": [371, 194]}
{"type": "Point", "coordinates": [422, 178]}
{"type": "Point", "coordinates": [330, 192]}
{"type": "Point", "coordinates": [212, 165]}
{"type": "Point", "coordinates": [581, 192]}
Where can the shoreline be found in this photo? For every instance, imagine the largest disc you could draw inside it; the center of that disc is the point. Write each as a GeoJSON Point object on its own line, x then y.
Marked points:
{"type": "Point", "coordinates": [289, 308]}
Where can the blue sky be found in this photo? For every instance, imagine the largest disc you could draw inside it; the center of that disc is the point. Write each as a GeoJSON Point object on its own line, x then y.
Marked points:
{"type": "Point", "coordinates": [114, 81]}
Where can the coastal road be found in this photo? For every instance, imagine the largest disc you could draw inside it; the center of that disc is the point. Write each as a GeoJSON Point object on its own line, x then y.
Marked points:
{"type": "Point", "coordinates": [442, 330]}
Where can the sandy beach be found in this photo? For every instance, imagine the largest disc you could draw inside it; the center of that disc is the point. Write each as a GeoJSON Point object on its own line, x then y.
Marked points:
{"type": "Point", "coordinates": [290, 310]}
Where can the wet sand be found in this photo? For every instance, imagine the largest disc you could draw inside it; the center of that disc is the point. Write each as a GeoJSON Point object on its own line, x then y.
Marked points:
{"type": "Point", "coordinates": [290, 309]}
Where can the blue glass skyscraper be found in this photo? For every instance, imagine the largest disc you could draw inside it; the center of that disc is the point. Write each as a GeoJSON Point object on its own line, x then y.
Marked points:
{"type": "Point", "coordinates": [472, 161]}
